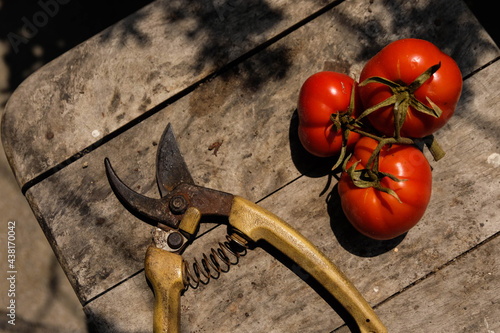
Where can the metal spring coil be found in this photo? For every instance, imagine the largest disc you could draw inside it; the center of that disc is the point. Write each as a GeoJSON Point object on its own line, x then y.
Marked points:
{"type": "Point", "coordinates": [217, 262]}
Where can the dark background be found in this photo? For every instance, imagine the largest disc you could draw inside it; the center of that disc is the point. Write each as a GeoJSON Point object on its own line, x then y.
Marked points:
{"type": "Point", "coordinates": [74, 22]}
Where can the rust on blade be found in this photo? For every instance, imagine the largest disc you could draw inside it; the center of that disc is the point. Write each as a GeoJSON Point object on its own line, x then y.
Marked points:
{"type": "Point", "coordinates": [171, 169]}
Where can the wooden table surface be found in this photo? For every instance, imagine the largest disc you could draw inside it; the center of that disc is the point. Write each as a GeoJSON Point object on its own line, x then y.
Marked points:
{"type": "Point", "coordinates": [230, 72]}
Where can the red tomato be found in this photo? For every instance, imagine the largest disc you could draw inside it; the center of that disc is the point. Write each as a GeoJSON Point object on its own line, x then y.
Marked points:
{"type": "Point", "coordinates": [321, 95]}
{"type": "Point", "coordinates": [402, 62]}
{"type": "Point", "coordinates": [380, 215]}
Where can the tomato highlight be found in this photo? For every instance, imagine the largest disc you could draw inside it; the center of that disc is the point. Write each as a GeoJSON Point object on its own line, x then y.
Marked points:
{"type": "Point", "coordinates": [322, 95]}
{"type": "Point", "coordinates": [402, 62]}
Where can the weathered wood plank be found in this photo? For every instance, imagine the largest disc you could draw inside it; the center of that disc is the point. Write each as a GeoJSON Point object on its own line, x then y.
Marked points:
{"type": "Point", "coordinates": [118, 75]}
{"type": "Point", "coordinates": [378, 269]}
{"type": "Point", "coordinates": [462, 297]}
{"type": "Point", "coordinates": [259, 155]}
{"type": "Point", "coordinates": [128, 69]}
{"type": "Point", "coordinates": [255, 159]}
{"type": "Point", "coordinates": [453, 223]}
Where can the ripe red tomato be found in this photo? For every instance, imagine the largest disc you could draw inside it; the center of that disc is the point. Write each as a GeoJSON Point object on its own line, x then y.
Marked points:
{"type": "Point", "coordinates": [323, 94]}
{"type": "Point", "coordinates": [380, 215]}
{"type": "Point", "coordinates": [402, 62]}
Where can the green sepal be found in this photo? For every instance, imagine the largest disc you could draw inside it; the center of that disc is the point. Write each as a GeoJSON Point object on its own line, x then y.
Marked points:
{"type": "Point", "coordinates": [343, 149]}
{"type": "Point", "coordinates": [392, 177]}
{"type": "Point", "coordinates": [403, 97]}
{"type": "Point", "coordinates": [389, 191]}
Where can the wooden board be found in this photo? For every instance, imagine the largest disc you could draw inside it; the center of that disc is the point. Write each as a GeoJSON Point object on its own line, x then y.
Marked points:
{"type": "Point", "coordinates": [386, 273]}
{"type": "Point", "coordinates": [101, 246]}
{"type": "Point", "coordinates": [152, 57]}
{"type": "Point", "coordinates": [463, 296]}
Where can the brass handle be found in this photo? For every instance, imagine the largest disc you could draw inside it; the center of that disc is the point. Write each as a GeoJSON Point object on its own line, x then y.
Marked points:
{"type": "Point", "coordinates": [259, 224]}
{"type": "Point", "coordinates": [164, 272]}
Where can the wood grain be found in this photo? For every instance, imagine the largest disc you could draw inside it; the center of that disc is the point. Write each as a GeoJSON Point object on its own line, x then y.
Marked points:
{"type": "Point", "coordinates": [463, 296]}
{"type": "Point", "coordinates": [123, 73]}
{"type": "Point", "coordinates": [250, 108]}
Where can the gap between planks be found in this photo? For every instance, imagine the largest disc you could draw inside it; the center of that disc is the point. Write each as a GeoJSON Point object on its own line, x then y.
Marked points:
{"type": "Point", "coordinates": [432, 273]}
{"type": "Point", "coordinates": [44, 175]}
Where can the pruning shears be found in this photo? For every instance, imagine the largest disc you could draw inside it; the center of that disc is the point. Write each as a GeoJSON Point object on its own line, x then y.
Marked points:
{"type": "Point", "coordinates": [176, 217]}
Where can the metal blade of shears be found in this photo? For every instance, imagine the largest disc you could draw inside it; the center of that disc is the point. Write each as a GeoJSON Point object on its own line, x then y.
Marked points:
{"type": "Point", "coordinates": [171, 169]}
{"type": "Point", "coordinates": [154, 209]}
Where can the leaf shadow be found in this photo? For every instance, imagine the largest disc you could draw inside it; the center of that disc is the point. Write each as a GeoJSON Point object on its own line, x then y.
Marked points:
{"type": "Point", "coordinates": [228, 32]}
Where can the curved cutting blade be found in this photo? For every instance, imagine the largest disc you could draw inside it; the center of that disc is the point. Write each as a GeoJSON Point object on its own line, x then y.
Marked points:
{"type": "Point", "coordinates": [171, 170]}
{"type": "Point", "coordinates": [154, 209]}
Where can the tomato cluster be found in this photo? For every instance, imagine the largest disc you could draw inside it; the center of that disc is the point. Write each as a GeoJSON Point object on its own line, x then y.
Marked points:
{"type": "Point", "coordinates": [407, 92]}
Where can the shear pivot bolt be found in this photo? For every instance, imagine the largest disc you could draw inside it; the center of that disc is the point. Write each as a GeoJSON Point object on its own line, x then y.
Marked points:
{"type": "Point", "coordinates": [174, 240]}
{"type": "Point", "coordinates": [178, 204]}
